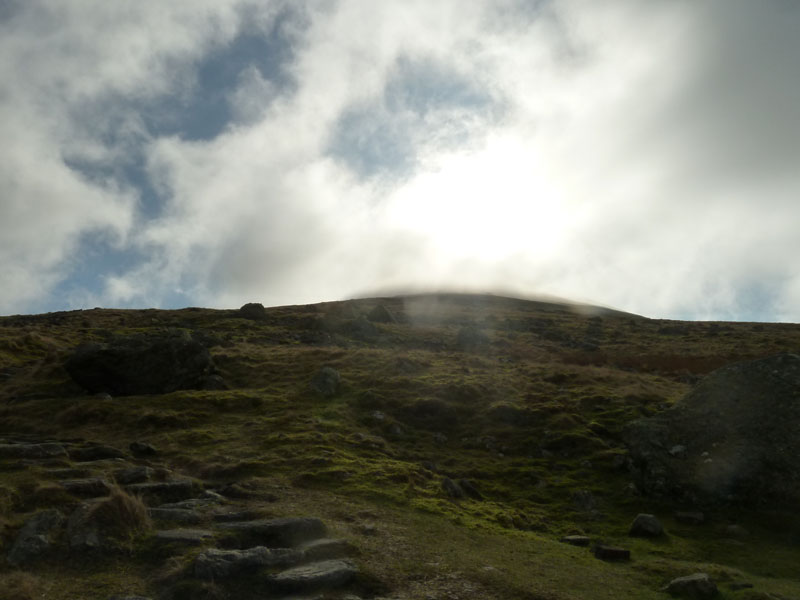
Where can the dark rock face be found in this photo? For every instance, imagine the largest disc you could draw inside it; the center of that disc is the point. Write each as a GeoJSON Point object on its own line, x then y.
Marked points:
{"type": "Point", "coordinates": [147, 364]}
{"type": "Point", "coordinates": [739, 431]}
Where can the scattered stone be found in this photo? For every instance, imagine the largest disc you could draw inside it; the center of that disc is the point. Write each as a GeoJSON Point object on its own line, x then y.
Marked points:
{"type": "Point", "coordinates": [451, 488]}
{"type": "Point", "coordinates": [131, 475]}
{"type": "Point", "coordinates": [326, 381]}
{"type": "Point", "coordinates": [142, 364]}
{"type": "Point", "coordinates": [576, 540]}
{"type": "Point", "coordinates": [177, 515]}
{"type": "Point", "coordinates": [645, 525]}
{"type": "Point", "coordinates": [611, 553]}
{"type": "Point", "coordinates": [327, 548]}
{"type": "Point", "coordinates": [278, 533]}
{"type": "Point", "coordinates": [694, 517]}
{"type": "Point", "coordinates": [91, 487]}
{"type": "Point", "coordinates": [253, 310]}
{"type": "Point", "coordinates": [220, 564]}
{"type": "Point", "coordinates": [698, 585]}
{"type": "Point", "coordinates": [469, 489]}
{"type": "Point", "coordinates": [46, 450]}
{"type": "Point", "coordinates": [91, 453]}
{"type": "Point", "coordinates": [34, 539]}
{"type": "Point", "coordinates": [185, 537]}
{"type": "Point", "coordinates": [142, 449]}
{"type": "Point", "coordinates": [179, 489]}
{"type": "Point", "coordinates": [325, 574]}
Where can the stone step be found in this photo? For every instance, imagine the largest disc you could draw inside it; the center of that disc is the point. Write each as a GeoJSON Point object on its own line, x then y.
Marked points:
{"type": "Point", "coordinates": [275, 533]}
{"type": "Point", "coordinates": [98, 452]}
{"type": "Point", "coordinates": [90, 487]}
{"type": "Point", "coordinates": [219, 564]}
{"type": "Point", "coordinates": [177, 515]}
{"type": "Point", "coordinates": [184, 537]}
{"type": "Point", "coordinates": [45, 450]}
{"type": "Point", "coordinates": [129, 475]}
{"type": "Point", "coordinates": [327, 548]}
{"type": "Point", "coordinates": [327, 574]}
{"type": "Point", "coordinates": [178, 489]}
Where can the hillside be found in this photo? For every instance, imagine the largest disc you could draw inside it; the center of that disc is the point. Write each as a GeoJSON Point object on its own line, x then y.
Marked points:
{"type": "Point", "coordinates": [452, 442]}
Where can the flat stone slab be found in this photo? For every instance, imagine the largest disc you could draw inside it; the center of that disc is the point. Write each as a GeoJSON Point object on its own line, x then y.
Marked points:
{"type": "Point", "coordinates": [131, 475]}
{"type": "Point", "coordinates": [576, 540]}
{"type": "Point", "coordinates": [697, 585]}
{"type": "Point", "coordinates": [277, 533]}
{"type": "Point", "coordinates": [180, 489]}
{"type": "Point", "coordinates": [178, 515]}
{"type": "Point", "coordinates": [219, 564]}
{"type": "Point", "coordinates": [327, 548]}
{"type": "Point", "coordinates": [46, 450]}
{"type": "Point", "coordinates": [324, 574]}
{"type": "Point", "coordinates": [186, 537]}
{"type": "Point", "coordinates": [90, 487]}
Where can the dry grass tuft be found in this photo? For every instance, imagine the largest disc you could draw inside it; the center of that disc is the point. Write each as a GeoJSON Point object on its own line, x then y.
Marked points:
{"type": "Point", "coordinates": [18, 585]}
{"type": "Point", "coordinates": [122, 514]}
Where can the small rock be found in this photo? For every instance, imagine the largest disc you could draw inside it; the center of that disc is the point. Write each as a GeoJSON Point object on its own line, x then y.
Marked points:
{"type": "Point", "coordinates": [611, 553]}
{"type": "Point", "coordinates": [576, 540]}
{"type": "Point", "coordinates": [131, 475]}
{"type": "Point", "coordinates": [694, 517]}
{"type": "Point", "coordinates": [326, 574]}
{"type": "Point", "coordinates": [142, 449]}
{"type": "Point", "coordinates": [698, 585]}
{"type": "Point", "coordinates": [451, 488]}
{"type": "Point", "coordinates": [327, 548]}
{"type": "Point", "coordinates": [645, 525]}
{"type": "Point", "coordinates": [34, 539]}
{"type": "Point", "coordinates": [326, 381]}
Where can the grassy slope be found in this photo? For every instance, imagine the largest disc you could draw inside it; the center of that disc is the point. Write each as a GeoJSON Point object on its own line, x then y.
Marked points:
{"type": "Point", "coordinates": [531, 415]}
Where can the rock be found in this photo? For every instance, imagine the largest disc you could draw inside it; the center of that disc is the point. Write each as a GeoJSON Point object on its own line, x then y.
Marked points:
{"type": "Point", "coordinates": [184, 537]}
{"type": "Point", "coordinates": [327, 548]}
{"type": "Point", "coordinates": [242, 515]}
{"type": "Point", "coordinates": [142, 449]}
{"type": "Point", "coordinates": [177, 515]}
{"type": "Point", "coordinates": [326, 574]}
{"type": "Point", "coordinates": [698, 585]}
{"type": "Point", "coordinates": [326, 381]}
{"type": "Point", "coordinates": [179, 489]}
{"type": "Point", "coordinates": [380, 314]}
{"type": "Point", "coordinates": [213, 382]}
{"type": "Point", "coordinates": [744, 417]}
{"type": "Point", "coordinates": [98, 452]}
{"type": "Point", "coordinates": [678, 451]}
{"type": "Point", "coordinates": [253, 310]}
{"type": "Point", "coordinates": [576, 540]}
{"type": "Point", "coordinates": [451, 488]}
{"type": "Point", "coordinates": [35, 538]}
{"type": "Point", "coordinates": [604, 552]}
{"type": "Point", "coordinates": [694, 517]}
{"type": "Point", "coordinates": [645, 525]}
{"type": "Point", "coordinates": [69, 473]}
{"type": "Point", "coordinates": [83, 533]}
{"type": "Point", "coordinates": [277, 533]}
{"type": "Point", "coordinates": [220, 564]}
{"type": "Point", "coordinates": [87, 488]}
{"type": "Point", "coordinates": [469, 489]}
{"type": "Point", "coordinates": [142, 364]}
{"type": "Point", "coordinates": [133, 475]}
{"type": "Point", "coordinates": [46, 450]}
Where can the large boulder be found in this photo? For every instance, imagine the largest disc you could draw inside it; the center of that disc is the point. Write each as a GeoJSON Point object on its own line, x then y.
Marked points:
{"type": "Point", "coordinates": [142, 364]}
{"type": "Point", "coordinates": [739, 437]}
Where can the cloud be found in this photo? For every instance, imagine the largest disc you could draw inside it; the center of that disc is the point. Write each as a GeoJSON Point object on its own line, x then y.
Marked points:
{"type": "Point", "coordinates": [637, 155]}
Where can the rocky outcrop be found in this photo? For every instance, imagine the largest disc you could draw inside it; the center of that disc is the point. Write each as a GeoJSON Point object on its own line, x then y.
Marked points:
{"type": "Point", "coordinates": [34, 539]}
{"type": "Point", "coordinates": [143, 364]}
{"type": "Point", "coordinates": [738, 436]}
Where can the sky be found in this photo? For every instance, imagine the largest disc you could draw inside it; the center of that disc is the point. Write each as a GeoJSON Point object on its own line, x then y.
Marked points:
{"type": "Point", "coordinates": [638, 155]}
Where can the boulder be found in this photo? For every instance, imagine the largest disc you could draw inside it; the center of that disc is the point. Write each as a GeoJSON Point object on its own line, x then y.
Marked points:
{"type": "Point", "coordinates": [604, 552]}
{"type": "Point", "coordinates": [142, 364]}
{"type": "Point", "coordinates": [220, 564]}
{"type": "Point", "coordinates": [253, 310]}
{"type": "Point", "coordinates": [35, 538]}
{"type": "Point", "coordinates": [740, 424]}
{"type": "Point", "coordinates": [326, 381]}
{"type": "Point", "coordinates": [697, 586]}
{"type": "Point", "coordinates": [645, 525]}
{"type": "Point", "coordinates": [142, 449]}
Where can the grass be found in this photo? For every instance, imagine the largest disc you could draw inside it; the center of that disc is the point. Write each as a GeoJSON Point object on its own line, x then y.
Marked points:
{"type": "Point", "coordinates": [532, 416]}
